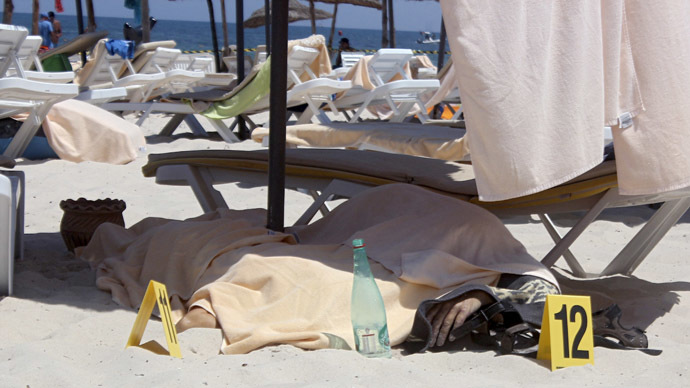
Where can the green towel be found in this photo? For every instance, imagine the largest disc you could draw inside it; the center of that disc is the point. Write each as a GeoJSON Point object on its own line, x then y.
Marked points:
{"type": "Point", "coordinates": [257, 89]}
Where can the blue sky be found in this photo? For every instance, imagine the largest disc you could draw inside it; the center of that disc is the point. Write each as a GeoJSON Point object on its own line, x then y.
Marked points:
{"type": "Point", "coordinates": [409, 15]}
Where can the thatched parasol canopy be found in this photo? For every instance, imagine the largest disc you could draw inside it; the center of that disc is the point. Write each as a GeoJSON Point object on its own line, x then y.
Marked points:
{"type": "Point", "coordinates": [296, 12]}
{"type": "Point", "coordinates": [364, 3]}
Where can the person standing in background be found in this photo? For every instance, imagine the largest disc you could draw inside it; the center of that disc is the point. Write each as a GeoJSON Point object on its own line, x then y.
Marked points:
{"type": "Point", "coordinates": [57, 28]}
{"type": "Point", "coordinates": [45, 29]}
{"type": "Point", "coordinates": [343, 46]}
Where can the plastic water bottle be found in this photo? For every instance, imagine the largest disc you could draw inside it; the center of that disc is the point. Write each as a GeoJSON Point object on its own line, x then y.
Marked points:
{"type": "Point", "coordinates": [368, 313]}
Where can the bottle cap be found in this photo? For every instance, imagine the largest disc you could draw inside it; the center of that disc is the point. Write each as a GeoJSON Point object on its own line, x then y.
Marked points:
{"type": "Point", "coordinates": [358, 243]}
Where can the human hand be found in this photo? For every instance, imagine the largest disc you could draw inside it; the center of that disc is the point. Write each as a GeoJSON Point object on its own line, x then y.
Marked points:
{"type": "Point", "coordinates": [447, 316]}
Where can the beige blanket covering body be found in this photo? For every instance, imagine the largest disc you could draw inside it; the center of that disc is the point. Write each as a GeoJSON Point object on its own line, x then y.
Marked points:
{"type": "Point", "coordinates": [264, 288]}
{"type": "Point", "coordinates": [540, 80]}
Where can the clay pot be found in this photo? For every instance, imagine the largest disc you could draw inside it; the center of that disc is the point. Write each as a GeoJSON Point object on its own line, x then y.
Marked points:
{"type": "Point", "coordinates": [82, 216]}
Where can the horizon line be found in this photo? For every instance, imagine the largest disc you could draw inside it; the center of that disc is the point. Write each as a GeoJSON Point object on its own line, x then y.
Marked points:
{"type": "Point", "coordinates": [220, 22]}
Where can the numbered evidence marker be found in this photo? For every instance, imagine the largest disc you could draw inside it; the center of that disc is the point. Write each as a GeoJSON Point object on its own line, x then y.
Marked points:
{"type": "Point", "coordinates": [566, 331]}
{"type": "Point", "coordinates": [155, 293]}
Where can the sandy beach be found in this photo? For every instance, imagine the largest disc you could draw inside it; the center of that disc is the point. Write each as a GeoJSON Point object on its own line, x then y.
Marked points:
{"type": "Point", "coordinates": [59, 330]}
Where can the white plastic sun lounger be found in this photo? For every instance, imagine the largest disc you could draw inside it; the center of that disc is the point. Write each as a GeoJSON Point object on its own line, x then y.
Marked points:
{"type": "Point", "coordinates": [399, 95]}
{"type": "Point", "coordinates": [19, 95]}
{"type": "Point", "coordinates": [11, 222]}
{"type": "Point", "coordinates": [28, 57]}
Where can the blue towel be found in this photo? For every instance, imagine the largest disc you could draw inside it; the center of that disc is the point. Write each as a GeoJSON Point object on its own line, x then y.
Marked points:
{"type": "Point", "coordinates": [123, 48]}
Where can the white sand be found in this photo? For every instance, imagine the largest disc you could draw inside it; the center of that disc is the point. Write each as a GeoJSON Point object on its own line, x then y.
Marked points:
{"type": "Point", "coordinates": [58, 330]}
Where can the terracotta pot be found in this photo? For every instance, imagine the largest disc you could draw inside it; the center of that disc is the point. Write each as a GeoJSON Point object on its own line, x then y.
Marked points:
{"type": "Point", "coordinates": [82, 216]}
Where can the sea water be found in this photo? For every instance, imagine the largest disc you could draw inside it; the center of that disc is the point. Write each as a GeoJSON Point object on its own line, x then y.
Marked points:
{"type": "Point", "coordinates": [196, 36]}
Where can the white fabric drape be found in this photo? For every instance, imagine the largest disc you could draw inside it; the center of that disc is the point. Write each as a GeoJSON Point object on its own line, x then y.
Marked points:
{"type": "Point", "coordinates": [540, 80]}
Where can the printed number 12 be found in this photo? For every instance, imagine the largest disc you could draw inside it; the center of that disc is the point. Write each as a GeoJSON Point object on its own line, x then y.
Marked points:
{"type": "Point", "coordinates": [563, 317]}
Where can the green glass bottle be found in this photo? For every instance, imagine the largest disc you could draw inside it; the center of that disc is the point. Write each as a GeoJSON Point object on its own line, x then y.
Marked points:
{"type": "Point", "coordinates": [367, 311]}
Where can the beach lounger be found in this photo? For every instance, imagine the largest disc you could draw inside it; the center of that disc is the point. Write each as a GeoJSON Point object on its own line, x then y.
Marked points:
{"type": "Point", "coordinates": [7, 215]}
{"type": "Point", "coordinates": [19, 95]}
{"type": "Point", "coordinates": [252, 95]}
{"type": "Point", "coordinates": [11, 222]}
{"type": "Point", "coordinates": [385, 81]}
{"type": "Point", "coordinates": [105, 71]}
{"type": "Point", "coordinates": [80, 44]}
{"type": "Point", "coordinates": [343, 173]}
{"type": "Point", "coordinates": [28, 58]}
{"type": "Point", "coordinates": [349, 59]}
{"type": "Point", "coordinates": [11, 38]}
{"type": "Point", "coordinates": [440, 142]}
{"type": "Point", "coordinates": [18, 54]}
{"type": "Point", "coordinates": [162, 61]}
{"type": "Point", "coordinates": [205, 65]}
{"type": "Point", "coordinates": [304, 86]}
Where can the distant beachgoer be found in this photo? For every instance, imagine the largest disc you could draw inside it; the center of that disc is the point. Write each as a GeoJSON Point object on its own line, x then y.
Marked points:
{"type": "Point", "coordinates": [46, 31]}
{"type": "Point", "coordinates": [57, 28]}
{"type": "Point", "coordinates": [344, 46]}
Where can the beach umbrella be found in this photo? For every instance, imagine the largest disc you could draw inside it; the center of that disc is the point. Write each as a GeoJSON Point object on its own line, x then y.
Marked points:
{"type": "Point", "coordinates": [91, 16]}
{"type": "Point", "coordinates": [226, 49]}
{"type": "Point", "coordinates": [214, 37]}
{"type": "Point", "coordinates": [145, 24]}
{"type": "Point", "coordinates": [34, 18]}
{"type": "Point", "coordinates": [267, 27]}
{"type": "Point", "coordinates": [239, 30]}
{"type": "Point", "coordinates": [7, 12]}
{"type": "Point", "coordinates": [391, 24]}
{"type": "Point", "coordinates": [312, 16]}
{"type": "Point", "coordinates": [384, 23]}
{"type": "Point", "coordinates": [278, 116]}
{"type": "Point", "coordinates": [363, 3]}
{"type": "Point", "coordinates": [296, 12]}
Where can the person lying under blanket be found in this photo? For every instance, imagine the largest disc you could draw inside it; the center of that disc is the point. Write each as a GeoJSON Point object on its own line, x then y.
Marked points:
{"type": "Point", "coordinates": [436, 260]}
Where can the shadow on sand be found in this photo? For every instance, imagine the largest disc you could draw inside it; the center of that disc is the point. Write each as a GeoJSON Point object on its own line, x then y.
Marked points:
{"type": "Point", "coordinates": [50, 274]}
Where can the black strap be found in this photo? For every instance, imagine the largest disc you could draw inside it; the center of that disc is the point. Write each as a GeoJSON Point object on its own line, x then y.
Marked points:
{"type": "Point", "coordinates": [483, 315]}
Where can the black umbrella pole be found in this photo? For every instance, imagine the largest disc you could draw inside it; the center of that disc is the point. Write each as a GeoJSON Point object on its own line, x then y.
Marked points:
{"type": "Point", "coordinates": [239, 17]}
{"type": "Point", "coordinates": [80, 27]}
{"type": "Point", "coordinates": [441, 57]}
{"type": "Point", "coordinates": [267, 25]}
{"type": "Point", "coordinates": [276, 140]}
{"type": "Point", "coordinates": [441, 46]}
{"type": "Point", "coordinates": [214, 36]}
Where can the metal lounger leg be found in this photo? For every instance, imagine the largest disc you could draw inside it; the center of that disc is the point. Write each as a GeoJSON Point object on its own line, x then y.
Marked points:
{"type": "Point", "coordinates": [195, 126]}
{"type": "Point", "coordinates": [209, 198]}
{"type": "Point", "coordinates": [335, 187]}
{"type": "Point", "coordinates": [556, 237]}
{"type": "Point", "coordinates": [550, 259]}
{"type": "Point", "coordinates": [172, 124]}
{"type": "Point", "coordinates": [648, 237]}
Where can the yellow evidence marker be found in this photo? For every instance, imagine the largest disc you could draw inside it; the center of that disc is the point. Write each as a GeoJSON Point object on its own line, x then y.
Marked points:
{"type": "Point", "coordinates": [155, 293]}
{"type": "Point", "coordinates": [566, 331]}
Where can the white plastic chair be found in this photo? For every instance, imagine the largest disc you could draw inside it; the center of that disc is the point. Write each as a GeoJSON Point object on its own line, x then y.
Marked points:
{"type": "Point", "coordinates": [11, 38]}
{"type": "Point", "coordinates": [400, 95]}
{"type": "Point", "coordinates": [19, 95]}
{"type": "Point", "coordinates": [11, 227]}
{"type": "Point", "coordinates": [28, 57]}
{"type": "Point", "coordinates": [315, 91]}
